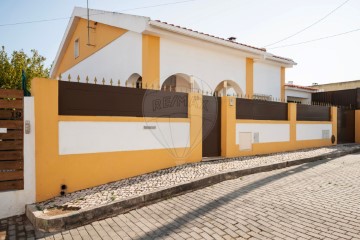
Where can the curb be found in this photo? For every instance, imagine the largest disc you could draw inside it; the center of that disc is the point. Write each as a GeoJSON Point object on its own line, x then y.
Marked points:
{"type": "Point", "coordinates": [76, 219]}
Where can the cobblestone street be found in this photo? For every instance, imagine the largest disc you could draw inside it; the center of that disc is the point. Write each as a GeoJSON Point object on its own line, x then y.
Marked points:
{"type": "Point", "coordinates": [317, 200]}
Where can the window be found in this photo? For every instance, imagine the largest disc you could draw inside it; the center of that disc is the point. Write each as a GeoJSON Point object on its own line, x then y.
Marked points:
{"type": "Point", "coordinates": [76, 48]}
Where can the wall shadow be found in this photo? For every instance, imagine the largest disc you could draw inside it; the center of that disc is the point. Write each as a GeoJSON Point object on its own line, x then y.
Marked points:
{"type": "Point", "coordinates": [216, 203]}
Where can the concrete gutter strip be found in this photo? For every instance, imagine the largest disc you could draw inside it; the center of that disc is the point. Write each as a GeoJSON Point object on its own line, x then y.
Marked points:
{"type": "Point", "coordinates": [81, 217]}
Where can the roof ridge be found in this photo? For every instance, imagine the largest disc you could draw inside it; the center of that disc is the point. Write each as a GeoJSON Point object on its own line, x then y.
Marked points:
{"type": "Point", "coordinates": [209, 35]}
{"type": "Point", "coordinates": [301, 87]}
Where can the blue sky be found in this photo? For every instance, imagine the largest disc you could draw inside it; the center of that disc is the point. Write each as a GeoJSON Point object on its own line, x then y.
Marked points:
{"type": "Point", "coordinates": [253, 22]}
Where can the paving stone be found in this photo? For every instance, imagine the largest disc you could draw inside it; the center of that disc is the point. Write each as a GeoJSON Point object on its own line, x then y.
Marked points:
{"type": "Point", "coordinates": [292, 203]}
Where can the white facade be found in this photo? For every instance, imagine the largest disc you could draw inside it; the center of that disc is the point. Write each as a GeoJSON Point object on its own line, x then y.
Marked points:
{"type": "Point", "coordinates": [267, 80]}
{"type": "Point", "coordinates": [299, 95]}
{"type": "Point", "coordinates": [206, 60]}
{"type": "Point", "coordinates": [208, 64]}
{"type": "Point", "coordinates": [312, 131]}
{"type": "Point", "coordinates": [13, 202]}
{"type": "Point", "coordinates": [117, 61]}
{"type": "Point", "coordinates": [97, 137]}
{"type": "Point", "coordinates": [266, 132]}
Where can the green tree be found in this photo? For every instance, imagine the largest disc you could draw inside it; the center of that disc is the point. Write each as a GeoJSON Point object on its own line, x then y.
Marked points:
{"type": "Point", "coordinates": [11, 68]}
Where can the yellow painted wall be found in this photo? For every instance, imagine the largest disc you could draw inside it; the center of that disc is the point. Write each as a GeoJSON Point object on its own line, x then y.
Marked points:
{"type": "Point", "coordinates": [150, 61]}
{"type": "Point", "coordinates": [282, 76]}
{"type": "Point", "coordinates": [87, 170]}
{"type": "Point", "coordinates": [228, 126]}
{"type": "Point", "coordinates": [292, 121]}
{"type": "Point", "coordinates": [101, 36]}
{"type": "Point", "coordinates": [249, 77]}
{"type": "Point", "coordinates": [229, 148]}
{"type": "Point", "coordinates": [81, 171]}
{"type": "Point", "coordinates": [357, 126]}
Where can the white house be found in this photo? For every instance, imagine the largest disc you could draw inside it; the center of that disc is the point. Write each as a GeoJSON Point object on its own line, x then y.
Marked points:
{"type": "Point", "coordinates": [298, 94]}
{"type": "Point", "coordinates": [122, 49]}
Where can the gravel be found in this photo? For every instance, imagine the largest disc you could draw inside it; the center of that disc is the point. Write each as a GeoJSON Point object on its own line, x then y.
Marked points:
{"type": "Point", "coordinates": [161, 179]}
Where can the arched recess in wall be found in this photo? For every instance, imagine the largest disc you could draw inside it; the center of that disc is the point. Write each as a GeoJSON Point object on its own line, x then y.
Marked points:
{"type": "Point", "coordinates": [135, 80]}
{"type": "Point", "coordinates": [228, 88]}
{"type": "Point", "coordinates": [180, 82]}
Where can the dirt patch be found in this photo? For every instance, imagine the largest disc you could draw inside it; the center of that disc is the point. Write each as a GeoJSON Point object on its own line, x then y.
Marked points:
{"type": "Point", "coordinates": [59, 210]}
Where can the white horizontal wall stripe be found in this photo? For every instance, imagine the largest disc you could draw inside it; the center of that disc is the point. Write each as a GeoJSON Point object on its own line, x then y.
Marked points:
{"type": "Point", "coordinates": [96, 137]}
{"type": "Point", "coordinates": [311, 131]}
{"type": "Point", "coordinates": [267, 132]}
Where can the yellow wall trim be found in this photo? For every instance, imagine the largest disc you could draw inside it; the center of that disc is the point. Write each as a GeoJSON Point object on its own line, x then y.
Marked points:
{"type": "Point", "coordinates": [357, 126]}
{"type": "Point", "coordinates": [313, 122]}
{"type": "Point", "coordinates": [229, 148]}
{"type": "Point", "coordinates": [249, 77]}
{"type": "Point", "coordinates": [100, 36]}
{"type": "Point", "coordinates": [262, 121]}
{"type": "Point", "coordinates": [150, 61]}
{"type": "Point", "coordinates": [119, 119]}
{"type": "Point", "coordinates": [80, 171]}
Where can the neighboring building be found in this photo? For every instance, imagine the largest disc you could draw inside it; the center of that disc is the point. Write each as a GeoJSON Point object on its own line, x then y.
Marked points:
{"type": "Point", "coordinates": [123, 49]}
{"type": "Point", "coordinates": [337, 86]}
{"type": "Point", "coordinates": [298, 94]}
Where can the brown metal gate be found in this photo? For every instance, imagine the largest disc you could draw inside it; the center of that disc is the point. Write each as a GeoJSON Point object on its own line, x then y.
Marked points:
{"type": "Point", "coordinates": [346, 125]}
{"type": "Point", "coordinates": [11, 140]}
{"type": "Point", "coordinates": [211, 126]}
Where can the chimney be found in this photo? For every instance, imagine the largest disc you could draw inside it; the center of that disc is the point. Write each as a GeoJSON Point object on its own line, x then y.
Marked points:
{"type": "Point", "coordinates": [291, 82]}
{"type": "Point", "coordinates": [232, 39]}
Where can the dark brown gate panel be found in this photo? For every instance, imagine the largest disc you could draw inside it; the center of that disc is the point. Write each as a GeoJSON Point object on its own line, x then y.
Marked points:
{"type": "Point", "coordinates": [260, 110]}
{"type": "Point", "coordinates": [349, 98]}
{"type": "Point", "coordinates": [312, 113]}
{"type": "Point", "coordinates": [11, 140]}
{"type": "Point", "coordinates": [346, 125]}
{"type": "Point", "coordinates": [211, 126]}
{"type": "Point", "coordinates": [83, 99]}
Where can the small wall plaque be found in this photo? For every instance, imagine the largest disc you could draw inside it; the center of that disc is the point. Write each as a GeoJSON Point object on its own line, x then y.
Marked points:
{"type": "Point", "coordinates": [325, 134]}
{"type": "Point", "coordinates": [27, 127]}
{"type": "Point", "coordinates": [149, 127]}
{"type": "Point", "coordinates": [256, 137]}
{"type": "Point", "coordinates": [3, 130]}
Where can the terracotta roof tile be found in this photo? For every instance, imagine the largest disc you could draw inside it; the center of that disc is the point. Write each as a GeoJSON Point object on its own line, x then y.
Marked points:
{"type": "Point", "coordinates": [300, 87]}
{"type": "Point", "coordinates": [261, 49]}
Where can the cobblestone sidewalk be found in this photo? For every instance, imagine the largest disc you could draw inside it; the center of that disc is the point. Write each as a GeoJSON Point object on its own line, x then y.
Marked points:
{"type": "Point", "coordinates": [318, 200]}
{"type": "Point", "coordinates": [143, 184]}
{"type": "Point", "coordinates": [16, 227]}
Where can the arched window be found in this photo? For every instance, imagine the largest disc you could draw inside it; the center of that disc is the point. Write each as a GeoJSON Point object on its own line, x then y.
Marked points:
{"type": "Point", "coordinates": [228, 88]}
{"type": "Point", "coordinates": [180, 83]}
{"type": "Point", "coordinates": [135, 80]}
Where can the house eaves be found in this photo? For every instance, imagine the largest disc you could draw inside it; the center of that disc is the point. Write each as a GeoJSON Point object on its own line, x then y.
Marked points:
{"type": "Point", "coordinates": [142, 24]}
{"type": "Point", "coordinates": [260, 52]}
{"type": "Point", "coordinates": [126, 21]}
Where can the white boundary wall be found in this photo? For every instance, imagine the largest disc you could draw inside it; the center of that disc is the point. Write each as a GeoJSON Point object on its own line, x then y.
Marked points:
{"type": "Point", "coordinates": [118, 60]}
{"type": "Point", "coordinates": [311, 131]}
{"type": "Point", "coordinates": [267, 132]}
{"type": "Point", "coordinates": [96, 137]}
{"type": "Point", "coordinates": [13, 202]}
{"type": "Point", "coordinates": [209, 64]}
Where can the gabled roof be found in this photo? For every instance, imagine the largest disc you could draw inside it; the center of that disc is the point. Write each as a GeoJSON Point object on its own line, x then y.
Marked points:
{"type": "Point", "coordinates": [141, 24]}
